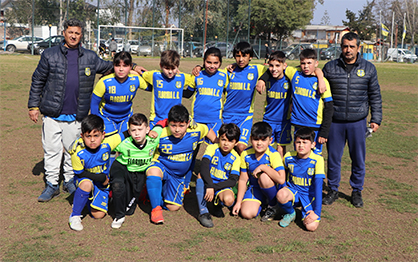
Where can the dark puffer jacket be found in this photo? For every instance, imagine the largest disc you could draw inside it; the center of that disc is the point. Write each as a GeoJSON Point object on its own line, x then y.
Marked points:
{"type": "Point", "coordinates": [354, 92]}
{"type": "Point", "coordinates": [49, 80]}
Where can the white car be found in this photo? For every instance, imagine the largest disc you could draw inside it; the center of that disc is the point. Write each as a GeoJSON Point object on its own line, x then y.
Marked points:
{"type": "Point", "coordinates": [20, 43]}
{"type": "Point", "coordinates": [119, 42]}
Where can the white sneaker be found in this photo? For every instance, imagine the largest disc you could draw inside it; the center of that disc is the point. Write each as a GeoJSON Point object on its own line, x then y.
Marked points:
{"type": "Point", "coordinates": [75, 223]}
{"type": "Point", "coordinates": [117, 223]}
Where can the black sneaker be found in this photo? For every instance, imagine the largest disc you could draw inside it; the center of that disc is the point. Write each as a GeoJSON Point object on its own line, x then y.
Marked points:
{"type": "Point", "coordinates": [356, 199]}
{"type": "Point", "coordinates": [217, 211]}
{"type": "Point", "coordinates": [330, 197]}
{"type": "Point", "coordinates": [206, 220]}
{"type": "Point", "coordinates": [269, 214]}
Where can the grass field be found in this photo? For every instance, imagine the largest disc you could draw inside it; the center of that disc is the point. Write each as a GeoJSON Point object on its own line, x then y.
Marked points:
{"type": "Point", "coordinates": [385, 229]}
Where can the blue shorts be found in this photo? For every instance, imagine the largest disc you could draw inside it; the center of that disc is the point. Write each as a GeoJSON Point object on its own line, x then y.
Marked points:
{"type": "Point", "coordinates": [254, 193]}
{"type": "Point", "coordinates": [318, 147]}
{"type": "Point", "coordinates": [173, 185]}
{"type": "Point", "coordinates": [244, 123]}
{"type": "Point", "coordinates": [113, 127]}
{"type": "Point", "coordinates": [305, 201]}
{"type": "Point", "coordinates": [216, 201]}
{"type": "Point", "coordinates": [282, 134]}
{"type": "Point", "coordinates": [215, 126]}
{"type": "Point", "coordinates": [99, 195]}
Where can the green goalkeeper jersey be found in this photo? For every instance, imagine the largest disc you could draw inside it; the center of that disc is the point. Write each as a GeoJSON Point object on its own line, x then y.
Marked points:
{"type": "Point", "coordinates": [134, 158]}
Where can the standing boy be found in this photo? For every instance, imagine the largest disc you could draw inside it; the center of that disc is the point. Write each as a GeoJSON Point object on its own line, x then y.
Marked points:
{"type": "Point", "coordinates": [91, 158]}
{"type": "Point", "coordinates": [305, 174]}
{"type": "Point", "coordinates": [167, 85]}
{"type": "Point", "coordinates": [127, 174]}
{"type": "Point", "coordinates": [166, 174]}
{"type": "Point", "coordinates": [220, 171]}
{"type": "Point", "coordinates": [262, 167]}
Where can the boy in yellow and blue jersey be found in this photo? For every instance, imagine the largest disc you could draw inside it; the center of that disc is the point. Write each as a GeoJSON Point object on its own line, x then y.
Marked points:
{"type": "Point", "coordinates": [278, 96]}
{"type": "Point", "coordinates": [113, 95]}
{"type": "Point", "coordinates": [220, 171]}
{"type": "Point", "coordinates": [305, 175]}
{"type": "Point", "coordinates": [90, 157]}
{"type": "Point", "coordinates": [309, 107]}
{"type": "Point", "coordinates": [262, 169]}
{"type": "Point", "coordinates": [167, 85]}
{"type": "Point", "coordinates": [240, 93]}
{"type": "Point", "coordinates": [166, 174]}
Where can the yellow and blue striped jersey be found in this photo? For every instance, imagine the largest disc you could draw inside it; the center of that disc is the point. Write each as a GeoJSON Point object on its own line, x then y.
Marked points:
{"type": "Point", "coordinates": [240, 93]}
{"type": "Point", "coordinates": [207, 100]}
{"type": "Point", "coordinates": [278, 95]}
{"type": "Point", "coordinates": [249, 162]}
{"type": "Point", "coordinates": [117, 97]}
{"type": "Point", "coordinates": [300, 172]}
{"type": "Point", "coordinates": [307, 103]}
{"type": "Point", "coordinates": [176, 154]}
{"type": "Point", "coordinates": [166, 92]}
{"type": "Point", "coordinates": [221, 167]}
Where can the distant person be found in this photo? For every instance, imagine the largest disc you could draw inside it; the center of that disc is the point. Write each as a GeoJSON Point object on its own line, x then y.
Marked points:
{"type": "Point", "coordinates": [355, 90]}
{"type": "Point", "coordinates": [113, 47]}
{"type": "Point", "coordinates": [268, 52]}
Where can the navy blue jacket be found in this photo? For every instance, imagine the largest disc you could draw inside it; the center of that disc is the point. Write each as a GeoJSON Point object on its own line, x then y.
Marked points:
{"type": "Point", "coordinates": [49, 80]}
{"type": "Point", "coordinates": [354, 92]}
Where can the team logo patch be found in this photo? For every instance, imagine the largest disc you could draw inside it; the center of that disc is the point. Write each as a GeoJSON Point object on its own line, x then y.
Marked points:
{"type": "Point", "coordinates": [178, 84]}
{"type": "Point", "coordinates": [250, 76]}
{"type": "Point", "coordinates": [151, 152]}
{"type": "Point", "coordinates": [194, 134]}
{"type": "Point", "coordinates": [105, 156]}
{"type": "Point", "coordinates": [220, 82]}
{"type": "Point", "coordinates": [360, 73]}
{"type": "Point", "coordinates": [286, 85]}
{"type": "Point", "coordinates": [194, 145]}
{"type": "Point", "coordinates": [132, 88]}
{"type": "Point", "coordinates": [87, 71]}
{"type": "Point", "coordinates": [311, 171]}
{"type": "Point", "coordinates": [227, 166]}
{"type": "Point", "coordinates": [315, 86]}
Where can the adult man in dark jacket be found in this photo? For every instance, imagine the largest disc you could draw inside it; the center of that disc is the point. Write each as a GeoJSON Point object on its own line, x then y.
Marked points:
{"type": "Point", "coordinates": [355, 89]}
{"type": "Point", "coordinates": [61, 89]}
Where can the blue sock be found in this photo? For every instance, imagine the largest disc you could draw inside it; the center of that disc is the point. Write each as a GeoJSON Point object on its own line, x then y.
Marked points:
{"type": "Point", "coordinates": [259, 210]}
{"type": "Point", "coordinates": [154, 188]}
{"type": "Point", "coordinates": [200, 194]}
{"type": "Point", "coordinates": [270, 193]}
{"type": "Point", "coordinates": [288, 207]}
{"type": "Point", "coordinates": [80, 200]}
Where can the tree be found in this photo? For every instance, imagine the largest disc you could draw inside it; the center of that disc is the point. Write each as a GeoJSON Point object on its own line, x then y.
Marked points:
{"type": "Point", "coordinates": [364, 24]}
{"type": "Point", "coordinates": [325, 20]}
{"type": "Point", "coordinates": [46, 12]}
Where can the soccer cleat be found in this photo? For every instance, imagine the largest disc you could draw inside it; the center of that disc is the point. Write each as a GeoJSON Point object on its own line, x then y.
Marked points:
{"type": "Point", "coordinates": [157, 215]}
{"type": "Point", "coordinates": [75, 223]}
{"type": "Point", "coordinates": [206, 220]}
{"type": "Point", "coordinates": [117, 223]}
{"type": "Point", "coordinates": [186, 191]}
{"type": "Point", "coordinates": [49, 192]}
{"type": "Point", "coordinates": [217, 211]}
{"type": "Point", "coordinates": [356, 199]}
{"type": "Point", "coordinates": [69, 186]}
{"type": "Point", "coordinates": [269, 214]}
{"type": "Point", "coordinates": [287, 219]}
{"type": "Point", "coordinates": [330, 197]}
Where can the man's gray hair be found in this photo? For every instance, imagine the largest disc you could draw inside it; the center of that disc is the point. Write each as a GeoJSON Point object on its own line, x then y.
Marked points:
{"type": "Point", "coordinates": [73, 22]}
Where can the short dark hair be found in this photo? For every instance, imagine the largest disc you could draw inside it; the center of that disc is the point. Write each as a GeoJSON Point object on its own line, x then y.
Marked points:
{"type": "Point", "coordinates": [124, 57]}
{"type": "Point", "coordinates": [351, 36]}
{"type": "Point", "coordinates": [213, 51]}
{"type": "Point", "coordinates": [170, 58]}
{"type": "Point", "coordinates": [138, 119]}
{"type": "Point", "coordinates": [308, 53]}
{"type": "Point", "coordinates": [73, 22]}
{"type": "Point", "coordinates": [178, 113]}
{"type": "Point", "coordinates": [261, 130]}
{"type": "Point", "coordinates": [231, 131]}
{"type": "Point", "coordinates": [243, 47]}
{"type": "Point", "coordinates": [91, 123]}
{"type": "Point", "coordinates": [278, 56]}
{"type": "Point", "coordinates": [305, 133]}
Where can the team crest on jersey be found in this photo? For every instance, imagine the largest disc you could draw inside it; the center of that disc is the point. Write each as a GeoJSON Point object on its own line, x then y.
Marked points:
{"type": "Point", "coordinates": [194, 145]}
{"type": "Point", "coordinates": [132, 88]}
{"type": "Point", "coordinates": [315, 86]}
{"type": "Point", "coordinates": [227, 166]}
{"type": "Point", "coordinates": [250, 76]}
{"type": "Point", "coordinates": [360, 73]}
{"type": "Point", "coordinates": [286, 85]}
{"type": "Point", "coordinates": [220, 82]}
{"type": "Point", "coordinates": [178, 84]}
{"type": "Point", "coordinates": [151, 152]}
{"type": "Point", "coordinates": [87, 71]}
{"type": "Point", "coordinates": [311, 171]}
{"type": "Point", "coordinates": [105, 156]}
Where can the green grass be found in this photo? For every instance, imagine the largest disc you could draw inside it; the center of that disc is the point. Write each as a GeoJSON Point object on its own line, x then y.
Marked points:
{"type": "Point", "coordinates": [399, 196]}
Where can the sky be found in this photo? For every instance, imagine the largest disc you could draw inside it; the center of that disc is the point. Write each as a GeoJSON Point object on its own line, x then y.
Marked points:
{"type": "Point", "coordinates": [336, 10]}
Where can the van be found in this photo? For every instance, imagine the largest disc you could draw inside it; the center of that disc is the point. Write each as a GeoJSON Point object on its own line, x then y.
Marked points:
{"type": "Point", "coordinates": [401, 55]}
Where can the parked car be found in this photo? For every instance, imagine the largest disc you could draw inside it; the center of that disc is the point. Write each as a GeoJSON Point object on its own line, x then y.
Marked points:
{"type": "Point", "coordinates": [223, 47]}
{"type": "Point", "coordinates": [119, 42]}
{"type": "Point", "coordinates": [292, 52]}
{"type": "Point", "coordinates": [330, 53]}
{"type": "Point", "coordinates": [401, 54]}
{"type": "Point", "coordinates": [190, 47]}
{"type": "Point", "coordinates": [145, 49]}
{"type": "Point", "coordinates": [19, 43]}
{"type": "Point", "coordinates": [40, 47]}
{"type": "Point", "coordinates": [134, 44]}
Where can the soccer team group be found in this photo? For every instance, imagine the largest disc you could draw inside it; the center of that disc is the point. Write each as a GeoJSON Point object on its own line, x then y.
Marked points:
{"type": "Point", "coordinates": [245, 166]}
